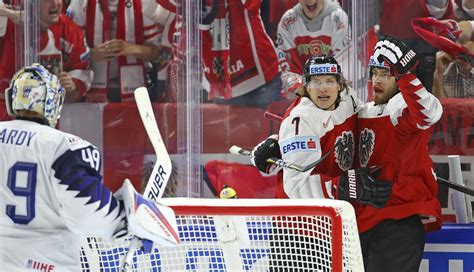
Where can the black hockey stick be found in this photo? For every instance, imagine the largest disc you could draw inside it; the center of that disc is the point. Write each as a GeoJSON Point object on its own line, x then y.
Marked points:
{"type": "Point", "coordinates": [280, 162]}
{"type": "Point", "coordinates": [457, 187]}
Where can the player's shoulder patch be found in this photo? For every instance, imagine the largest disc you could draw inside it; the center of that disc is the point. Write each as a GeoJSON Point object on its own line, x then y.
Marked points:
{"type": "Point", "coordinates": [300, 144]}
{"type": "Point", "coordinates": [75, 142]}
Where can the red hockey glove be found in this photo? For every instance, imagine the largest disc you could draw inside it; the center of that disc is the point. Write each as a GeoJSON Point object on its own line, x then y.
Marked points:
{"type": "Point", "coordinates": [360, 185]}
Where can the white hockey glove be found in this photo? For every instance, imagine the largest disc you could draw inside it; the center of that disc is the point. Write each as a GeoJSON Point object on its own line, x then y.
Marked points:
{"type": "Point", "coordinates": [268, 148]}
{"type": "Point", "coordinates": [148, 220]}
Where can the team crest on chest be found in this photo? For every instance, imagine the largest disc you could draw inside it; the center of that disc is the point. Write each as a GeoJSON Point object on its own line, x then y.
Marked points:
{"type": "Point", "coordinates": [366, 146]}
{"type": "Point", "coordinates": [344, 151]}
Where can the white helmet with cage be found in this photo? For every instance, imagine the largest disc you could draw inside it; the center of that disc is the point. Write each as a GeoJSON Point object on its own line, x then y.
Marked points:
{"type": "Point", "coordinates": [34, 88]}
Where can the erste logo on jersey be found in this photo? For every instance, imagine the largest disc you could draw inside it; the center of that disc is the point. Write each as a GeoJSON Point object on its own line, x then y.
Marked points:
{"type": "Point", "coordinates": [300, 144]}
{"type": "Point", "coordinates": [328, 68]}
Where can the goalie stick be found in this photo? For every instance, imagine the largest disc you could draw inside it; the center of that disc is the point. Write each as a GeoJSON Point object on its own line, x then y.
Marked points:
{"type": "Point", "coordinates": [163, 167]}
{"type": "Point", "coordinates": [280, 162]}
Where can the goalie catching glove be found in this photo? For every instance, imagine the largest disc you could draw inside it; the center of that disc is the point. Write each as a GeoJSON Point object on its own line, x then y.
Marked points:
{"type": "Point", "coordinates": [400, 58]}
{"type": "Point", "coordinates": [360, 185]}
{"type": "Point", "coordinates": [148, 220]}
{"type": "Point", "coordinates": [266, 149]}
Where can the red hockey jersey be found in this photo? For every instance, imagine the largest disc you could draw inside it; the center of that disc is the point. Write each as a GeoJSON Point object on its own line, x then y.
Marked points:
{"type": "Point", "coordinates": [62, 48]}
{"type": "Point", "coordinates": [395, 137]}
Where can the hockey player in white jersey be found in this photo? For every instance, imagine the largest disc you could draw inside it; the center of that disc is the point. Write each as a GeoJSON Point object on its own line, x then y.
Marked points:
{"type": "Point", "coordinates": [51, 192]}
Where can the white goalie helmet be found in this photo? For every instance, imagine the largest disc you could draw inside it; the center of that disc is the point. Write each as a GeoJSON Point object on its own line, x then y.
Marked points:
{"type": "Point", "coordinates": [34, 88]}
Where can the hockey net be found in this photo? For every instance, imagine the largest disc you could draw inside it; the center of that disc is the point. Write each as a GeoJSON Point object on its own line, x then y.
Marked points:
{"type": "Point", "coordinates": [245, 235]}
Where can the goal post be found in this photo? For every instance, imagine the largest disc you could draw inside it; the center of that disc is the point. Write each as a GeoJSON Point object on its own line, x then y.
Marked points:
{"type": "Point", "coordinates": [245, 235]}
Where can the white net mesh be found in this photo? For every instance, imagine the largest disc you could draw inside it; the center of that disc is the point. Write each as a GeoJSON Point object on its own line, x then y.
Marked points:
{"type": "Point", "coordinates": [234, 235]}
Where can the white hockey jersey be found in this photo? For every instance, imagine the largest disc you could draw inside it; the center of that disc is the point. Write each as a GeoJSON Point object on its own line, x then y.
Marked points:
{"type": "Point", "coordinates": [308, 133]}
{"type": "Point", "coordinates": [51, 194]}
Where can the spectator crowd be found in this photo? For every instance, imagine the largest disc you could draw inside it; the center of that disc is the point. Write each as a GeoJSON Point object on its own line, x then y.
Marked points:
{"type": "Point", "coordinates": [252, 52]}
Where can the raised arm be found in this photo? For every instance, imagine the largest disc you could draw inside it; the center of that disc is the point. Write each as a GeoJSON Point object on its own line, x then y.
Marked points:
{"type": "Point", "coordinates": [422, 109]}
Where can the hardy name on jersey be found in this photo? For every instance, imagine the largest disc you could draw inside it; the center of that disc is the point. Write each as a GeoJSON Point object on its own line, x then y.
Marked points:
{"type": "Point", "coordinates": [16, 137]}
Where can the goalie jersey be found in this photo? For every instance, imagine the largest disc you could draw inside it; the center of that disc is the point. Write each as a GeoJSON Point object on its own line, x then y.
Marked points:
{"type": "Point", "coordinates": [51, 194]}
{"type": "Point", "coordinates": [308, 133]}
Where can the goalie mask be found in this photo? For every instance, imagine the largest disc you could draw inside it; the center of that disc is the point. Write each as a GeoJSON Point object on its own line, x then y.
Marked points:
{"type": "Point", "coordinates": [321, 65]}
{"type": "Point", "coordinates": [34, 88]}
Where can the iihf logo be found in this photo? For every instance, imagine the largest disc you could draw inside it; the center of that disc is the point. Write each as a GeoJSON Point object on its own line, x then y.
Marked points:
{"type": "Point", "coordinates": [39, 266]}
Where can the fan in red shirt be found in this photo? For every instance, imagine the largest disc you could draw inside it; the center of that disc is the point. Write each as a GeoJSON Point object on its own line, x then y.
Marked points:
{"type": "Point", "coordinates": [62, 49]}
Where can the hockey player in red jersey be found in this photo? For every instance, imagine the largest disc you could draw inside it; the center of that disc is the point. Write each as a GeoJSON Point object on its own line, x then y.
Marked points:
{"type": "Point", "coordinates": [394, 131]}
{"type": "Point", "coordinates": [62, 49]}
